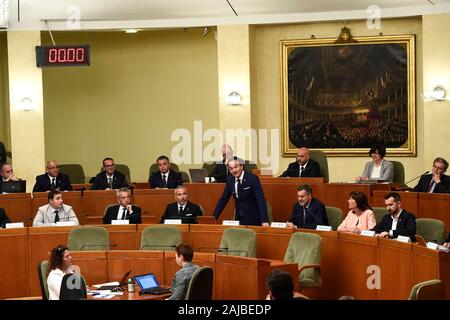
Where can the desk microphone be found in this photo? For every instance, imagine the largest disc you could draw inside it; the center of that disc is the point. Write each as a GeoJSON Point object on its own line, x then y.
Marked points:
{"type": "Point", "coordinates": [107, 246]}
{"type": "Point", "coordinates": [172, 246]}
{"type": "Point", "coordinates": [406, 183]}
{"type": "Point", "coordinates": [226, 250]}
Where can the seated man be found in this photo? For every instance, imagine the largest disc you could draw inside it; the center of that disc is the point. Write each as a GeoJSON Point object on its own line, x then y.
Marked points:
{"type": "Point", "coordinates": [308, 212]}
{"type": "Point", "coordinates": [54, 211]}
{"type": "Point", "coordinates": [220, 172]}
{"type": "Point", "coordinates": [110, 178]}
{"type": "Point", "coordinates": [182, 208]}
{"type": "Point", "coordinates": [7, 172]}
{"type": "Point", "coordinates": [52, 180]}
{"type": "Point", "coordinates": [397, 222]}
{"type": "Point", "coordinates": [3, 218]}
{"type": "Point", "coordinates": [124, 210]}
{"type": "Point", "coordinates": [180, 282]}
{"type": "Point", "coordinates": [304, 166]}
{"type": "Point", "coordinates": [165, 178]}
{"type": "Point", "coordinates": [437, 181]}
{"type": "Point", "coordinates": [280, 285]}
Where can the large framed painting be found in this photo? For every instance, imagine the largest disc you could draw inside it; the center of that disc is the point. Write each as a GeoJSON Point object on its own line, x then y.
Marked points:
{"type": "Point", "coordinates": [345, 97]}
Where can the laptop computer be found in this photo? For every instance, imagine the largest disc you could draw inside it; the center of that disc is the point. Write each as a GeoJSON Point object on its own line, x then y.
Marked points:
{"type": "Point", "coordinates": [122, 283]}
{"type": "Point", "coordinates": [149, 284]}
{"type": "Point", "coordinates": [198, 175]}
{"type": "Point", "coordinates": [13, 186]}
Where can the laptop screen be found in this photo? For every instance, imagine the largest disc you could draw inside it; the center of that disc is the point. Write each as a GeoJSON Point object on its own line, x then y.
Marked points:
{"type": "Point", "coordinates": [147, 281]}
{"type": "Point", "coordinates": [13, 186]}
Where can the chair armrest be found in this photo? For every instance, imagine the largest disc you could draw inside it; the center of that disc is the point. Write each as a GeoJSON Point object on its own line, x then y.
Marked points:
{"type": "Point", "coordinates": [308, 266]}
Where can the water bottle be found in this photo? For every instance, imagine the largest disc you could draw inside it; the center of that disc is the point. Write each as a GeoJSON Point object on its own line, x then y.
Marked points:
{"type": "Point", "coordinates": [130, 285]}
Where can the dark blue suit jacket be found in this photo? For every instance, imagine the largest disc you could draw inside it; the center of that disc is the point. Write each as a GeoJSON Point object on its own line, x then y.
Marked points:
{"type": "Point", "coordinates": [251, 207]}
{"type": "Point", "coordinates": [441, 187]}
{"type": "Point", "coordinates": [43, 183]}
{"type": "Point", "coordinates": [111, 214]}
{"type": "Point", "coordinates": [406, 225]}
{"type": "Point", "coordinates": [174, 180]}
{"type": "Point", "coordinates": [315, 214]}
{"type": "Point", "coordinates": [312, 170]}
{"type": "Point", "coordinates": [101, 182]}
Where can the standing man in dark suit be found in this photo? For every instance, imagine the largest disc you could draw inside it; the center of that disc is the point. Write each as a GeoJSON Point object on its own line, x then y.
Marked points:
{"type": "Point", "coordinates": [437, 181]}
{"type": "Point", "coordinates": [52, 180]}
{"type": "Point", "coordinates": [397, 222]}
{"type": "Point", "coordinates": [110, 178]}
{"type": "Point", "coordinates": [165, 178]}
{"type": "Point", "coordinates": [124, 210]}
{"type": "Point", "coordinates": [182, 208]}
{"type": "Point", "coordinates": [220, 172]}
{"type": "Point", "coordinates": [245, 187]}
{"type": "Point", "coordinates": [308, 212]}
{"type": "Point", "coordinates": [3, 218]}
{"type": "Point", "coordinates": [303, 167]}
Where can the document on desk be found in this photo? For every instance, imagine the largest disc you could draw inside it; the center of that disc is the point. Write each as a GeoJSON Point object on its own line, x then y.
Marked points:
{"type": "Point", "coordinates": [104, 294]}
{"type": "Point", "coordinates": [114, 283]}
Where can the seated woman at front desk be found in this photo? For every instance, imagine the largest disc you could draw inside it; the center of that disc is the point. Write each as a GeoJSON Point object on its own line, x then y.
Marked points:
{"type": "Point", "coordinates": [360, 217]}
{"type": "Point", "coordinates": [378, 168]}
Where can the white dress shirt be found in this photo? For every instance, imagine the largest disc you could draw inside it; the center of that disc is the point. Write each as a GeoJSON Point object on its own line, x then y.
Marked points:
{"type": "Point", "coordinates": [54, 280]}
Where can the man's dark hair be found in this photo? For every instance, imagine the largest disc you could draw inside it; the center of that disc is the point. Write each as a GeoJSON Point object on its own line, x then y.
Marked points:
{"type": "Point", "coordinates": [280, 284]}
{"type": "Point", "coordinates": [381, 150]}
{"type": "Point", "coordinates": [442, 160]}
{"type": "Point", "coordinates": [51, 195]}
{"type": "Point", "coordinates": [305, 187]}
{"type": "Point", "coordinates": [185, 251]}
{"type": "Point", "coordinates": [162, 158]}
{"type": "Point", "coordinates": [103, 162]}
{"type": "Point", "coordinates": [394, 195]}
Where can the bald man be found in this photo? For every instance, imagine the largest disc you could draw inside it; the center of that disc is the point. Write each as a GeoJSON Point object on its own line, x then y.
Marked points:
{"type": "Point", "coordinates": [220, 172]}
{"type": "Point", "coordinates": [304, 167]}
{"type": "Point", "coordinates": [52, 180]}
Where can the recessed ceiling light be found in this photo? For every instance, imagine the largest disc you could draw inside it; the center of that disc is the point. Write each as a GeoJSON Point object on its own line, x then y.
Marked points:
{"type": "Point", "coordinates": [131, 30]}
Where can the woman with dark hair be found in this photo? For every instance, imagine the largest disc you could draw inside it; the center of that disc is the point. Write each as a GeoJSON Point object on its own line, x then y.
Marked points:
{"type": "Point", "coordinates": [180, 282]}
{"type": "Point", "coordinates": [60, 263]}
{"type": "Point", "coordinates": [360, 217]}
{"type": "Point", "coordinates": [378, 168]}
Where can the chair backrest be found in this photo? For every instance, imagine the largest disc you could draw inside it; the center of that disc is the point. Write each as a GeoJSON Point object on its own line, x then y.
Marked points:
{"type": "Point", "coordinates": [379, 212]}
{"type": "Point", "coordinates": [185, 177]}
{"type": "Point", "coordinates": [122, 168]}
{"type": "Point", "coordinates": [163, 238]}
{"type": "Point", "coordinates": [154, 168]}
{"type": "Point", "coordinates": [305, 249]}
{"type": "Point", "coordinates": [431, 229]}
{"type": "Point", "coordinates": [74, 171]}
{"type": "Point", "coordinates": [428, 290]}
{"type": "Point", "coordinates": [321, 158]}
{"type": "Point", "coordinates": [42, 273]}
{"type": "Point", "coordinates": [399, 172]}
{"type": "Point", "coordinates": [73, 287]}
{"type": "Point", "coordinates": [238, 242]}
{"type": "Point", "coordinates": [209, 166]}
{"type": "Point", "coordinates": [249, 166]}
{"type": "Point", "coordinates": [108, 206]}
{"type": "Point", "coordinates": [334, 216]}
{"type": "Point", "coordinates": [201, 284]}
{"type": "Point", "coordinates": [88, 238]}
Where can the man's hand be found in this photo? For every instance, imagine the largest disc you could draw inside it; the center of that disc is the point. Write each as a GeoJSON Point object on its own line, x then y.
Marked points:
{"type": "Point", "coordinates": [436, 177]}
{"type": "Point", "coordinates": [265, 224]}
{"type": "Point", "coordinates": [384, 234]}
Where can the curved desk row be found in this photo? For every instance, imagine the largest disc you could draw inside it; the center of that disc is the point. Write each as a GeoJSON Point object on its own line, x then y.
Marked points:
{"type": "Point", "coordinates": [351, 264]}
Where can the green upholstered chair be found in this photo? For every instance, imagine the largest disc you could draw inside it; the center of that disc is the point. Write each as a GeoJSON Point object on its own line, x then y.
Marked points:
{"type": "Point", "coordinates": [185, 177]}
{"type": "Point", "coordinates": [428, 290]}
{"type": "Point", "coordinates": [334, 216]}
{"type": "Point", "coordinates": [209, 166]}
{"type": "Point", "coordinates": [201, 284]}
{"type": "Point", "coordinates": [399, 172]}
{"type": "Point", "coordinates": [238, 242]}
{"type": "Point", "coordinates": [163, 238]}
{"type": "Point", "coordinates": [249, 166]}
{"type": "Point", "coordinates": [122, 168]}
{"type": "Point", "coordinates": [305, 249]}
{"type": "Point", "coordinates": [88, 238]}
{"type": "Point", "coordinates": [431, 229]}
{"type": "Point", "coordinates": [74, 171]}
{"type": "Point", "coordinates": [73, 287]}
{"type": "Point", "coordinates": [42, 273]}
{"type": "Point", "coordinates": [321, 158]}
{"type": "Point", "coordinates": [379, 212]}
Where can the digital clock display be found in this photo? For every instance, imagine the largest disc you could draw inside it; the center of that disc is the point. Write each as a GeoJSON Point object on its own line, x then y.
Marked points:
{"type": "Point", "coordinates": [61, 56]}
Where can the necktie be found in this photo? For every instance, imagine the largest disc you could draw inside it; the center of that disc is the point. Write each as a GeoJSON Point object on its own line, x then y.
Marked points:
{"type": "Point", "coordinates": [164, 183]}
{"type": "Point", "coordinates": [304, 215]}
{"type": "Point", "coordinates": [110, 183]}
{"type": "Point", "coordinates": [53, 186]}
{"type": "Point", "coordinates": [56, 216]}
{"type": "Point", "coordinates": [301, 171]}
{"type": "Point", "coordinates": [180, 212]}
{"type": "Point", "coordinates": [430, 187]}
{"type": "Point", "coordinates": [124, 216]}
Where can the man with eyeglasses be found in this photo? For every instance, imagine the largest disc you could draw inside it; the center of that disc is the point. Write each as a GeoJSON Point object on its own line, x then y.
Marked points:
{"type": "Point", "coordinates": [304, 167]}
{"type": "Point", "coordinates": [52, 180]}
{"type": "Point", "coordinates": [436, 181]}
{"type": "Point", "coordinates": [109, 178]}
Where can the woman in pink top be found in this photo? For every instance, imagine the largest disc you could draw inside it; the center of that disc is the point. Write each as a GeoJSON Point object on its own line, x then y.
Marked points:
{"type": "Point", "coordinates": [360, 217]}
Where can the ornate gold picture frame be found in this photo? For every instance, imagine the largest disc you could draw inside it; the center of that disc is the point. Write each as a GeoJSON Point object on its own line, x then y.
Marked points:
{"type": "Point", "coordinates": [344, 96]}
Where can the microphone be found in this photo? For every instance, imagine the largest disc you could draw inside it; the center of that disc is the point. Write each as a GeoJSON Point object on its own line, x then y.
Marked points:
{"type": "Point", "coordinates": [404, 186]}
{"type": "Point", "coordinates": [97, 245]}
{"type": "Point", "coordinates": [227, 250]}
{"type": "Point", "coordinates": [426, 172]}
{"type": "Point", "coordinates": [172, 246]}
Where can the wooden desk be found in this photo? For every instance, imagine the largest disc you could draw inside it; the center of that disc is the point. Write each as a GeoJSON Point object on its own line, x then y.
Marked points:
{"type": "Point", "coordinates": [436, 206]}
{"type": "Point", "coordinates": [409, 200]}
{"type": "Point", "coordinates": [134, 296]}
{"type": "Point", "coordinates": [18, 207]}
{"type": "Point", "coordinates": [93, 265]}
{"type": "Point", "coordinates": [122, 237]}
{"type": "Point", "coordinates": [206, 237]}
{"type": "Point", "coordinates": [95, 201]}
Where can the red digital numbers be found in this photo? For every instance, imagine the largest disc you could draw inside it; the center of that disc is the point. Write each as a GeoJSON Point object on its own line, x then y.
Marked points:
{"type": "Point", "coordinates": [64, 55]}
